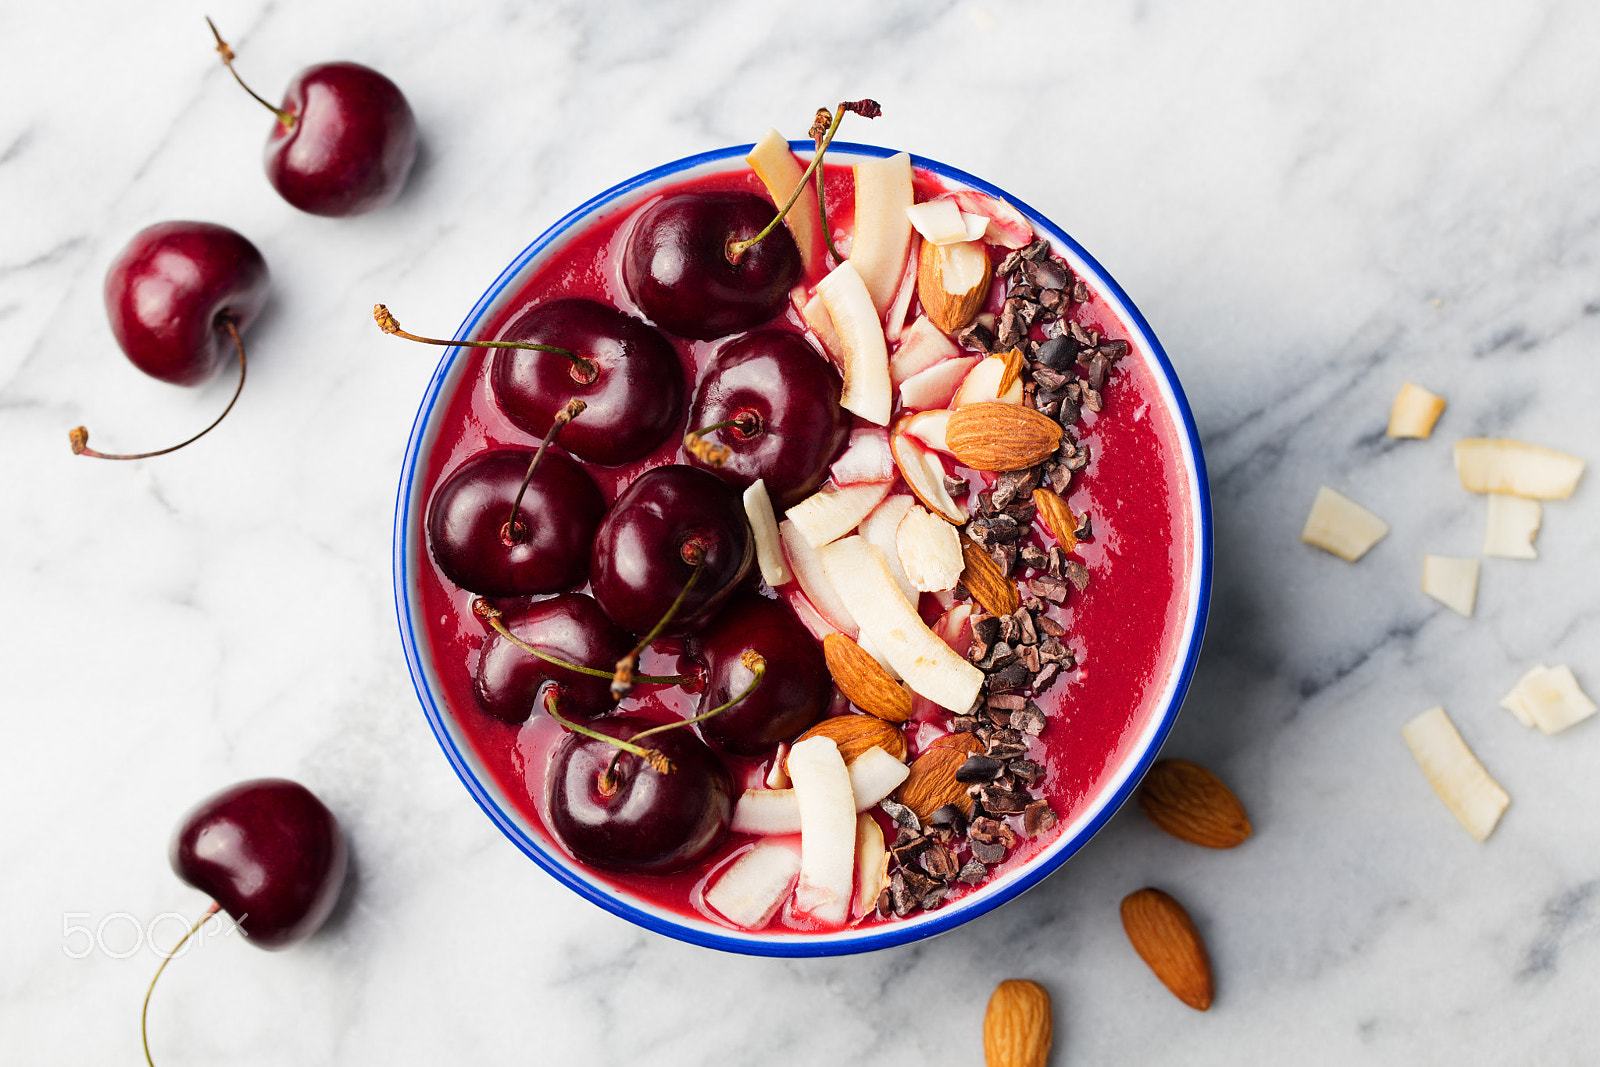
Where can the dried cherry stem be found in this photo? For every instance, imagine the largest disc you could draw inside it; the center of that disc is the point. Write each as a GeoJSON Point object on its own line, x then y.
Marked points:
{"type": "Point", "coordinates": [144, 1014]}
{"type": "Point", "coordinates": [514, 532]}
{"type": "Point", "coordinates": [496, 620]}
{"type": "Point", "coordinates": [866, 109]}
{"type": "Point", "coordinates": [623, 678]}
{"type": "Point", "coordinates": [651, 756]}
{"type": "Point", "coordinates": [584, 371]}
{"type": "Point", "coordinates": [79, 436]}
{"type": "Point", "coordinates": [709, 452]}
{"type": "Point", "coordinates": [286, 117]}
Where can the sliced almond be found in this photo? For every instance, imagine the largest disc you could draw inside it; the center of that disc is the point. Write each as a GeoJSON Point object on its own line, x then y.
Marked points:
{"type": "Point", "coordinates": [1339, 525]}
{"type": "Point", "coordinates": [872, 865]}
{"type": "Point", "coordinates": [930, 551]}
{"type": "Point", "coordinates": [1475, 799]}
{"type": "Point", "coordinates": [1452, 582]}
{"type": "Point", "coordinates": [1513, 523]}
{"type": "Point", "coordinates": [865, 683]}
{"type": "Point", "coordinates": [854, 734]}
{"type": "Point", "coordinates": [994, 592]}
{"type": "Point", "coordinates": [1414, 412]}
{"type": "Point", "coordinates": [924, 474]}
{"type": "Point", "coordinates": [1001, 437]}
{"type": "Point", "coordinates": [991, 379]}
{"type": "Point", "coordinates": [929, 427]}
{"type": "Point", "coordinates": [1166, 939]}
{"type": "Point", "coordinates": [953, 282]}
{"type": "Point", "coordinates": [1498, 465]}
{"type": "Point", "coordinates": [932, 783]}
{"type": "Point", "coordinates": [1192, 804]}
{"type": "Point", "coordinates": [1017, 1030]}
{"type": "Point", "coordinates": [1058, 517]}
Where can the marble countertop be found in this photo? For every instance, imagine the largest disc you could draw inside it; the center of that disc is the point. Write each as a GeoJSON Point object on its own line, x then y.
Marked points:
{"type": "Point", "coordinates": [1310, 203]}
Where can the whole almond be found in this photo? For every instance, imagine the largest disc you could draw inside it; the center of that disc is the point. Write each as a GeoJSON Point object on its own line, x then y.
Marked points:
{"type": "Point", "coordinates": [994, 592]}
{"type": "Point", "coordinates": [1017, 1029]}
{"type": "Point", "coordinates": [932, 782]}
{"type": "Point", "coordinates": [993, 436]}
{"type": "Point", "coordinates": [1165, 938]}
{"type": "Point", "coordinates": [936, 267]}
{"type": "Point", "coordinates": [854, 734]}
{"type": "Point", "coordinates": [1060, 520]}
{"type": "Point", "coordinates": [1193, 805]}
{"type": "Point", "coordinates": [864, 681]}
{"type": "Point", "coordinates": [967, 743]}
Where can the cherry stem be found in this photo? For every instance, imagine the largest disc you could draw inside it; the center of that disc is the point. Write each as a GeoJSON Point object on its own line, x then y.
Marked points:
{"type": "Point", "coordinates": [868, 109]}
{"type": "Point", "coordinates": [651, 756]}
{"type": "Point", "coordinates": [711, 453]}
{"type": "Point", "coordinates": [79, 436]}
{"type": "Point", "coordinates": [754, 662]}
{"type": "Point", "coordinates": [144, 1014]}
{"type": "Point", "coordinates": [514, 531]}
{"type": "Point", "coordinates": [496, 619]}
{"type": "Point", "coordinates": [285, 117]}
{"type": "Point", "coordinates": [584, 371]}
{"type": "Point", "coordinates": [623, 679]}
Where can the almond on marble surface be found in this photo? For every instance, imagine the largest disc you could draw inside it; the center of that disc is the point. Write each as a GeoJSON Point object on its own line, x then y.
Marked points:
{"type": "Point", "coordinates": [1017, 1027]}
{"type": "Point", "coordinates": [1166, 939]}
{"type": "Point", "coordinates": [1192, 804]}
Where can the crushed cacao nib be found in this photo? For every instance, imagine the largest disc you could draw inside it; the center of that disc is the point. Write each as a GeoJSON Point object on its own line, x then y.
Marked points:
{"type": "Point", "coordinates": [1031, 555]}
{"type": "Point", "coordinates": [963, 724]}
{"type": "Point", "coordinates": [986, 503]}
{"type": "Point", "coordinates": [976, 335]}
{"type": "Point", "coordinates": [934, 897]}
{"type": "Point", "coordinates": [999, 716]}
{"type": "Point", "coordinates": [1038, 817]}
{"type": "Point", "coordinates": [1051, 627]}
{"type": "Point", "coordinates": [1091, 400]}
{"type": "Point", "coordinates": [985, 830]}
{"type": "Point", "coordinates": [1053, 380]}
{"type": "Point", "coordinates": [1009, 628]}
{"type": "Point", "coordinates": [1028, 657]}
{"type": "Point", "coordinates": [1005, 750]}
{"type": "Point", "coordinates": [1080, 291]}
{"type": "Point", "coordinates": [1058, 354]}
{"type": "Point", "coordinates": [956, 487]}
{"type": "Point", "coordinates": [949, 815]}
{"type": "Point", "coordinates": [1085, 529]}
{"type": "Point", "coordinates": [1046, 677]}
{"type": "Point", "coordinates": [1005, 801]}
{"type": "Point", "coordinates": [978, 531]}
{"type": "Point", "coordinates": [1023, 513]}
{"type": "Point", "coordinates": [999, 656]}
{"type": "Point", "coordinates": [1009, 265]}
{"type": "Point", "coordinates": [1046, 274]}
{"type": "Point", "coordinates": [1036, 250]}
{"type": "Point", "coordinates": [1025, 771]}
{"type": "Point", "coordinates": [1005, 557]}
{"type": "Point", "coordinates": [908, 845]}
{"type": "Point", "coordinates": [1051, 650]}
{"type": "Point", "coordinates": [1076, 573]}
{"type": "Point", "coordinates": [1016, 485]}
{"type": "Point", "coordinates": [1059, 477]}
{"type": "Point", "coordinates": [1052, 300]}
{"type": "Point", "coordinates": [1027, 634]}
{"type": "Point", "coordinates": [1007, 702]}
{"type": "Point", "coordinates": [885, 902]}
{"type": "Point", "coordinates": [939, 862]}
{"type": "Point", "coordinates": [985, 852]}
{"type": "Point", "coordinates": [972, 873]}
{"type": "Point", "coordinates": [1084, 338]}
{"type": "Point", "coordinates": [1030, 720]}
{"type": "Point", "coordinates": [903, 817]}
{"type": "Point", "coordinates": [1048, 588]}
{"type": "Point", "coordinates": [1004, 528]}
{"type": "Point", "coordinates": [979, 768]}
{"type": "Point", "coordinates": [1012, 676]}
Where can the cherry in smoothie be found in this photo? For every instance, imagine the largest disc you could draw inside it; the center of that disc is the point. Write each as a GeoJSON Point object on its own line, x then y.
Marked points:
{"type": "Point", "coordinates": [179, 297]}
{"type": "Point", "coordinates": [620, 812]}
{"type": "Point", "coordinates": [770, 403]}
{"type": "Point", "coordinates": [569, 627]}
{"type": "Point", "coordinates": [795, 688]}
{"type": "Point", "coordinates": [344, 140]}
{"type": "Point", "coordinates": [671, 551]}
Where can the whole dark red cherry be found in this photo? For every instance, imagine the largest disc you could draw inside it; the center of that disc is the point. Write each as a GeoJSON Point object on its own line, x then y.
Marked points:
{"type": "Point", "coordinates": [270, 853]}
{"type": "Point", "coordinates": [171, 293]}
{"type": "Point", "coordinates": [677, 267]}
{"type": "Point", "coordinates": [344, 139]}
{"type": "Point", "coordinates": [546, 550]}
{"type": "Point", "coordinates": [783, 397]}
{"type": "Point", "coordinates": [794, 692]}
{"type": "Point", "coordinates": [649, 544]}
{"type": "Point", "coordinates": [569, 626]}
{"type": "Point", "coordinates": [638, 819]}
{"type": "Point", "coordinates": [635, 392]}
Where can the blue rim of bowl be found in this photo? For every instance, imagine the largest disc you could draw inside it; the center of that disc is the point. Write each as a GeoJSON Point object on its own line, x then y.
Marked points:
{"type": "Point", "coordinates": [788, 944]}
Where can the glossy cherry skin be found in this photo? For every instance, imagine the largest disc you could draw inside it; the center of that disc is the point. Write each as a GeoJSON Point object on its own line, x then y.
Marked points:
{"type": "Point", "coordinates": [794, 692]}
{"type": "Point", "coordinates": [270, 853]}
{"type": "Point", "coordinates": [792, 392]}
{"type": "Point", "coordinates": [676, 264]}
{"type": "Point", "coordinates": [570, 626]}
{"type": "Point", "coordinates": [351, 145]}
{"type": "Point", "coordinates": [644, 550]}
{"type": "Point", "coordinates": [634, 403]}
{"type": "Point", "coordinates": [650, 823]}
{"type": "Point", "coordinates": [169, 290]}
{"type": "Point", "coordinates": [469, 516]}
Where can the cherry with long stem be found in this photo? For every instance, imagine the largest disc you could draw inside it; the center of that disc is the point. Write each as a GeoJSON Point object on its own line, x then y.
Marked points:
{"type": "Point", "coordinates": [584, 371]}
{"type": "Point", "coordinates": [748, 423]}
{"type": "Point", "coordinates": [753, 662]}
{"type": "Point", "coordinates": [623, 678]}
{"type": "Point", "coordinates": [144, 1013]}
{"type": "Point", "coordinates": [651, 756]}
{"type": "Point", "coordinates": [286, 117]}
{"type": "Point", "coordinates": [869, 109]}
{"type": "Point", "coordinates": [513, 532]}
{"type": "Point", "coordinates": [79, 436]}
{"type": "Point", "coordinates": [496, 619]}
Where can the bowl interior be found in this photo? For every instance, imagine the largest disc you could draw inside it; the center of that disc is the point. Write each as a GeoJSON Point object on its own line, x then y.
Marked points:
{"type": "Point", "coordinates": [409, 554]}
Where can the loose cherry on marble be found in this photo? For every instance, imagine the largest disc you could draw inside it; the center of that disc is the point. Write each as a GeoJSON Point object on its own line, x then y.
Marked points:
{"type": "Point", "coordinates": [622, 812]}
{"type": "Point", "coordinates": [344, 140]}
{"type": "Point", "coordinates": [270, 854]}
{"type": "Point", "coordinates": [795, 690]}
{"type": "Point", "coordinates": [773, 402]}
{"type": "Point", "coordinates": [513, 523]}
{"type": "Point", "coordinates": [179, 297]}
{"type": "Point", "coordinates": [672, 549]}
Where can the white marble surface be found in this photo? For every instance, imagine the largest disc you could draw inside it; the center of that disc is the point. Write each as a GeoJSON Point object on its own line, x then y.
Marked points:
{"type": "Point", "coordinates": [1311, 203]}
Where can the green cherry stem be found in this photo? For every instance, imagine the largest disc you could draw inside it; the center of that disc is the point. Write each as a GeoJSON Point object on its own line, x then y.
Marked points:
{"type": "Point", "coordinates": [584, 371]}
{"type": "Point", "coordinates": [144, 1014]}
{"type": "Point", "coordinates": [753, 662]}
{"type": "Point", "coordinates": [649, 755]}
{"type": "Point", "coordinates": [496, 620]}
{"type": "Point", "coordinates": [514, 531]}
{"type": "Point", "coordinates": [623, 678]}
{"type": "Point", "coordinates": [286, 117]}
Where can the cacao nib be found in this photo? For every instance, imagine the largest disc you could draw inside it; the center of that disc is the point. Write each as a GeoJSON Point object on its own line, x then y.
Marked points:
{"type": "Point", "coordinates": [985, 852]}
{"type": "Point", "coordinates": [1025, 771]}
{"type": "Point", "coordinates": [1008, 702]}
{"type": "Point", "coordinates": [1029, 720]}
{"type": "Point", "coordinates": [939, 862]}
{"type": "Point", "coordinates": [1051, 589]}
{"type": "Point", "coordinates": [1012, 676]}
{"type": "Point", "coordinates": [978, 768]}
{"type": "Point", "coordinates": [1005, 557]}
{"type": "Point", "coordinates": [1076, 573]}
{"type": "Point", "coordinates": [1036, 250]}
{"type": "Point", "coordinates": [973, 873]}
{"type": "Point", "coordinates": [1033, 556]}
{"type": "Point", "coordinates": [1051, 627]}
{"type": "Point", "coordinates": [1058, 354]}
{"type": "Point", "coordinates": [956, 487]}
{"type": "Point", "coordinates": [991, 831]}
{"type": "Point", "coordinates": [949, 815]}
{"type": "Point", "coordinates": [1010, 264]}
{"type": "Point", "coordinates": [1046, 677]}
{"type": "Point", "coordinates": [976, 335]}
{"type": "Point", "coordinates": [903, 817]}
{"type": "Point", "coordinates": [1005, 802]}
{"type": "Point", "coordinates": [1038, 817]}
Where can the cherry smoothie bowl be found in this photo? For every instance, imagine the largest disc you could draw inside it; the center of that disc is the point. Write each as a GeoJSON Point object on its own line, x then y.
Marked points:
{"type": "Point", "coordinates": [807, 589]}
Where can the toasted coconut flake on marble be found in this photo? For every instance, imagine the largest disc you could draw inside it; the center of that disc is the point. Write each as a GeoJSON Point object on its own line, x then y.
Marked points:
{"type": "Point", "coordinates": [1451, 581]}
{"type": "Point", "coordinates": [1339, 525]}
{"type": "Point", "coordinates": [1474, 798]}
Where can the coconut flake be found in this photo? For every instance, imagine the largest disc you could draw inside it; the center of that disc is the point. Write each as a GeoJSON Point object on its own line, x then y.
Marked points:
{"type": "Point", "coordinates": [1339, 525]}
{"type": "Point", "coordinates": [1512, 525]}
{"type": "Point", "coordinates": [1475, 799]}
{"type": "Point", "coordinates": [1452, 582]}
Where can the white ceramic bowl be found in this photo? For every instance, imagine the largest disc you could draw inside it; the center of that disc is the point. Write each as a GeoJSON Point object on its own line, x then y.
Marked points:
{"type": "Point", "coordinates": [410, 554]}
